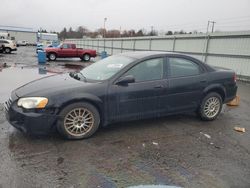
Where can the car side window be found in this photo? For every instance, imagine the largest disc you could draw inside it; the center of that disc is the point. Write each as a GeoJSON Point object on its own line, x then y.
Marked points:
{"type": "Point", "coordinates": [151, 69]}
{"type": "Point", "coordinates": [180, 67]}
{"type": "Point", "coordinates": [4, 42]}
{"type": "Point", "coordinates": [65, 46]}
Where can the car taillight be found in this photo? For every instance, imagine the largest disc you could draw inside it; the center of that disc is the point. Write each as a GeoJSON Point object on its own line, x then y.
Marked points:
{"type": "Point", "coordinates": [234, 77]}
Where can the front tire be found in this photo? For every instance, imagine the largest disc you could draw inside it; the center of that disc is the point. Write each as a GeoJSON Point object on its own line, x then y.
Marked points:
{"type": "Point", "coordinates": [210, 107]}
{"type": "Point", "coordinates": [78, 121]}
{"type": "Point", "coordinates": [52, 56]}
{"type": "Point", "coordinates": [7, 50]}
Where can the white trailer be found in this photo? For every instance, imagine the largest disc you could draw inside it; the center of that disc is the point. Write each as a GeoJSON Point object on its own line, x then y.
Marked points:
{"type": "Point", "coordinates": [4, 35]}
{"type": "Point", "coordinates": [19, 34]}
{"type": "Point", "coordinates": [48, 39]}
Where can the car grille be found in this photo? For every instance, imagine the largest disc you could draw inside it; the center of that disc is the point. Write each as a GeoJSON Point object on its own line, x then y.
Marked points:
{"type": "Point", "coordinates": [7, 104]}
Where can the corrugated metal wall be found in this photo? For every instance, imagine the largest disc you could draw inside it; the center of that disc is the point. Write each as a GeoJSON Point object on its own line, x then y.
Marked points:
{"type": "Point", "coordinates": [229, 50]}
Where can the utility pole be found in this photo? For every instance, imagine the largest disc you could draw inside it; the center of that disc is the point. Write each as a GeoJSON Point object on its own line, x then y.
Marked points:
{"type": "Point", "coordinates": [213, 22]}
{"type": "Point", "coordinates": [152, 30]}
{"type": "Point", "coordinates": [207, 26]}
{"type": "Point", "coordinates": [104, 28]}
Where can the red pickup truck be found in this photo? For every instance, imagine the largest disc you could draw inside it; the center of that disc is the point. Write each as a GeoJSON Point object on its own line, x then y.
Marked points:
{"type": "Point", "coordinates": [66, 50]}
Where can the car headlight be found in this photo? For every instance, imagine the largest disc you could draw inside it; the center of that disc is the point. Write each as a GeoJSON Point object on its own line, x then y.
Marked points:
{"type": "Point", "coordinates": [32, 102]}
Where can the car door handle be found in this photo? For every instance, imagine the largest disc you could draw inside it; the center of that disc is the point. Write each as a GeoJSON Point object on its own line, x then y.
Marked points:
{"type": "Point", "coordinates": [158, 86]}
{"type": "Point", "coordinates": [203, 81]}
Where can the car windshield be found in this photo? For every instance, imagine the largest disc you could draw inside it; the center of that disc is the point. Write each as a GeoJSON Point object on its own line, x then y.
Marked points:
{"type": "Point", "coordinates": [106, 68]}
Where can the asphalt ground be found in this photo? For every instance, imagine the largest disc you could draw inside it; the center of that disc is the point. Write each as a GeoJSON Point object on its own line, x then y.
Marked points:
{"type": "Point", "coordinates": [178, 150]}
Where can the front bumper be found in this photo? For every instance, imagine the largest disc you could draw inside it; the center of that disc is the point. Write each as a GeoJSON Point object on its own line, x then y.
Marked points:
{"type": "Point", "coordinates": [35, 123]}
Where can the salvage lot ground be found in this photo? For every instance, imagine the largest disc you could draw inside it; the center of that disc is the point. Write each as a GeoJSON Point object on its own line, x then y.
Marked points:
{"type": "Point", "coordinates": [177, 150]}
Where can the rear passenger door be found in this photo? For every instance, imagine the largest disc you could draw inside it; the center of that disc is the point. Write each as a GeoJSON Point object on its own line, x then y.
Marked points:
{"type": "Point", "coordinates": [185, 84]}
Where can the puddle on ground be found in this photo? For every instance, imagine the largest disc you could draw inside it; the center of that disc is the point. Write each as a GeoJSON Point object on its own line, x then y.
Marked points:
{"type": "Point", "coordinates": [12, 77]}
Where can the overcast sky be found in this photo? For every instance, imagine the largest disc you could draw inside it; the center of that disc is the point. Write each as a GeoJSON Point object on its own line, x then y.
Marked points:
{"type": "Point", "coordinates": [165, 15]}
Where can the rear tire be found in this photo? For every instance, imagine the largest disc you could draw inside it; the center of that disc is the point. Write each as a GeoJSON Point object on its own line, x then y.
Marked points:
{"type": "Point", "coordinates": [210, 106]}
{"type": "Point", "coordinates": [78, 121]}
{"type": "Point", "coordinates": [85, 57]}
{"type": "Point", "coordinates": [52, 56]}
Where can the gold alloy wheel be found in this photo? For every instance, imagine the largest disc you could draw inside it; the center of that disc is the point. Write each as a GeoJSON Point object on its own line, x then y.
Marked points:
{"type": "Point", "coordinates": [212, 107]}
{"type": "Point", "coordinates": [79, 121]}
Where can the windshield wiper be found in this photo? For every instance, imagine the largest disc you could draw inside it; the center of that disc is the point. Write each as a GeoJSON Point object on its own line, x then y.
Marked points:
{"type": "Point", "coordinates": [85, 79]}
{"type": "Point", "coordinates": [76, 75]}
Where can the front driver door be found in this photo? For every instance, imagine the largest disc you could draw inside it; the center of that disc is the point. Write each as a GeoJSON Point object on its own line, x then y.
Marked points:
{"type": "Point", "coordinates": [65, 51]}
{"type": "Point", "coordinates": [142, 98]}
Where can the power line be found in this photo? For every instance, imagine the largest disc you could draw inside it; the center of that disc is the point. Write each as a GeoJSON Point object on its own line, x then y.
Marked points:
{"type": "Point", "coordinates": [233, 18]}
{"type": "Point", "coordinates": [239, 19]}
{"type": "Point", "coordinates": [233, 22]}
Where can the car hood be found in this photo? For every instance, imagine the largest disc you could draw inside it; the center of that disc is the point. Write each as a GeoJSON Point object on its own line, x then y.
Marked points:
{"type": "Point", "coordinates": [48, 85]}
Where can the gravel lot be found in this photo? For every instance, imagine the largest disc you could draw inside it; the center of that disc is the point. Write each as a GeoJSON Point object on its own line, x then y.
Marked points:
{"type": "Point", "coordinates": [177, 150]}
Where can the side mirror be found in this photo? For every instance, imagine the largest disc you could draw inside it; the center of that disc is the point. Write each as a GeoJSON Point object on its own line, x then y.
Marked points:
{"type": "Point", "coordinates": [61, 47]}
{"type": "Point", "coordinates": [125, 80]}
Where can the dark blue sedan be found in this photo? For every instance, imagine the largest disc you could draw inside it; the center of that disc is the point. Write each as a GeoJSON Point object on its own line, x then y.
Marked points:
{"type": "Point", "coordinates": [123, 87]}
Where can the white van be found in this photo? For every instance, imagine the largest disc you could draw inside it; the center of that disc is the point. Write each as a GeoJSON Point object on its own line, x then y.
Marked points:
{"type": "Point", "coordinates": [22, 43]}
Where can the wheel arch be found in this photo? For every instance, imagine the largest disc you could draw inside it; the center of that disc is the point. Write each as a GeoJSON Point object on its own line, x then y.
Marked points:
{"type": "Point", "coordinates": [84, 53]}
{"type": "Point", "coordinates": [51, 52]}
{"type": "Point", "coordinates": [93, 100]}
{"type": "Point", "coordinates": [216, 88]}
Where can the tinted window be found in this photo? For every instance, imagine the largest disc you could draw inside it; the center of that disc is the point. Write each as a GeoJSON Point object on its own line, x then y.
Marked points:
{"type": "Point", "coordinates": [4, 41]}
{"type": "Point", "coordinates": [182, 67]}
{"type": "Point", "coordinates": [147, 70]}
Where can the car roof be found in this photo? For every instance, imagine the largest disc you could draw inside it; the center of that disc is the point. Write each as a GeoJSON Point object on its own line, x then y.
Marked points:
{"type": "Point", "coordinates": [68, 43]}
{"type": "Point", "coordinates": [143, 54]}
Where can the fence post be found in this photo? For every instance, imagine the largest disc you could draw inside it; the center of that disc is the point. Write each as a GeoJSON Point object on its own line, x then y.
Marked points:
{"type": "Point", "coordinates": [206, 49]}
{"type": "Point", "coordinates": [121, 45]}
{"type": "Point", "coordinates": [104, 44]}
{"type": "Point", "coordinates": [174, 44]}
{"type": "Point", "coordinates": [150, 43]}
{"type": "Point", "coordinates": [98, 45]}
{"type": "Point", "coordinates": [112, 46]}
{"type": "Point", "coordinates": [134, 45]}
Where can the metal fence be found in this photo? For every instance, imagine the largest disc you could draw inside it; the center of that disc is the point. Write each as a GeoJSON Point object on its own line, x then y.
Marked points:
{"type": "Point", "coordinates": [229, 50]}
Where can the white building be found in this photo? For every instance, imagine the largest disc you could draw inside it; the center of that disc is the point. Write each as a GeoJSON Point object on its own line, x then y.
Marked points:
{"type": "Point", "coordinates": [20, 34]}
